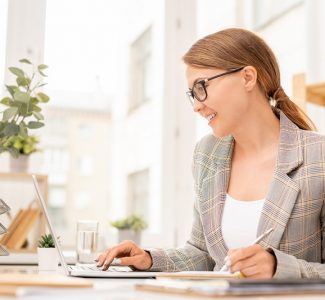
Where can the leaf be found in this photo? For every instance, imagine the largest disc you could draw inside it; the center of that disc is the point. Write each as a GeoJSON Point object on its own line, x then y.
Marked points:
{"type": "Point", "coordinates": [6, 101]}
{"type": "Point", "coordinates": [23, 130]}
{"type": "Point", "coordinates": [38, 115]}
{"type": "Point", "coordinates": [12, 89]}
{"type": "Point", "coordinates": [42, 84]}
{"type": "Point", "coordinates": [11, 129]}
{"type": "Point", "coordinates": [36, 108]}
{"type": "Point", "coordinates": [2, 126]}
{"type": "Point", "coordinates": [23, 109]}
{"type": "Point", "coordinates": [25, 61]}
{"type": "Point", "coordinates": [42, 67]}
{"type": "Point", "coordinates": [21, 97]}
{"type": "Point", "coordinates": [42, 97]}
{"type": "Point", "coordinates": [23, 81]}
{"type": "Point", "coordinates": [9, 113]}
{"type": "Point", "coordinates": [17, 71]}
{"type": "Point", "coordinates": [44, 75]}
{"type": "Point", "coordinates": [34, 125]}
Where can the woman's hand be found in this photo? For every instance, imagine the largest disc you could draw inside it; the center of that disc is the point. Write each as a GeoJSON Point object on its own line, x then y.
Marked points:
{"type": "Point", "coordinates": [252, 261]}
{"type": "Point", "coordinates": [127, 254]}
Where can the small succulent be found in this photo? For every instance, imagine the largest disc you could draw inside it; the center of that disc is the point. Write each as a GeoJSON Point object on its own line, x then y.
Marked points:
{"type": "Point", "coordinates": [133, 222]}
{"type": "Point", "coordinates": [46, 241]}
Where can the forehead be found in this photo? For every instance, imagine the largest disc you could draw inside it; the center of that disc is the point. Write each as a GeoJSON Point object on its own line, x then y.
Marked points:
{"type": "Point", "coordinates": [194, 73]}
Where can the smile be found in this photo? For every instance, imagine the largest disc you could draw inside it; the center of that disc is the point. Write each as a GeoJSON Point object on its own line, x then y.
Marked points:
{"type": "Point", "coordinates": [210, 117]}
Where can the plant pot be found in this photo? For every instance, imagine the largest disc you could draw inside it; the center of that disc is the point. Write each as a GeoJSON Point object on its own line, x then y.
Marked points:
{"type": "Point", "coordinates": [128, 234]}
{"type": "Point", "coordinates": [47, 259]}
{"type": "Point", "coordinates": [19, 164]}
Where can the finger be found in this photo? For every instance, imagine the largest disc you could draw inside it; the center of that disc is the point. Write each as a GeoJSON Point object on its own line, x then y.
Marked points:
{"type": "Point", "coordinates": [124, 248]}
{"type": "Point", "coordinates": [244, 253]}
{"type": "Point", "coordinates": [102, 257]}
{"type": "Point", "coordinates": [243, 264]}
{"type": "Point", "coordinates": [250, 271]}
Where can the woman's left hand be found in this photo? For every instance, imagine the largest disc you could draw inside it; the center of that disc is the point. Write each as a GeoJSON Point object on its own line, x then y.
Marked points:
{"type": "Point", "coordinates": [252, 262]}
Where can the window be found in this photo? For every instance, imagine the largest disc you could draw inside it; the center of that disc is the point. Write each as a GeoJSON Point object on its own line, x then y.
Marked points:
{"type": "Point", "coordinates": [265, 11]}
{"type": "Point", "coordinates": [141, 70]}
{"type": "Point", "coordinates": [85, 166]}
{"type": "Point", "coordinates": [57, 201]}
{"type": "Point", "coordinates": [138, 193]}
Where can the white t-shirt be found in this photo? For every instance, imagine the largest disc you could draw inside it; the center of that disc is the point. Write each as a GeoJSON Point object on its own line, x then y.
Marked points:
{"type": "Point", "coordinates": [239, 222]}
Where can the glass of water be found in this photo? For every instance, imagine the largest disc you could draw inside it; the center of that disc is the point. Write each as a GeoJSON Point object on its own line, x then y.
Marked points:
{"type": "Point", "coordinates": [87, 240]}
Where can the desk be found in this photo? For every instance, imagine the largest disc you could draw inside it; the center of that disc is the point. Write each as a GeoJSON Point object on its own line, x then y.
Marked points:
{"type": "Point", "coordinates": [119, 289]}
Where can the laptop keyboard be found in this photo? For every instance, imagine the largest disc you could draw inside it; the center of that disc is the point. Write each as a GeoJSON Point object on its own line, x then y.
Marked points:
{"type": "Point", "coordinates": [95, 268]}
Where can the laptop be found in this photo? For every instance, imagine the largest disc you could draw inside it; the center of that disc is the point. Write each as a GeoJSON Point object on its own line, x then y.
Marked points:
{"type": "Point", "coordinates": [87, 270]}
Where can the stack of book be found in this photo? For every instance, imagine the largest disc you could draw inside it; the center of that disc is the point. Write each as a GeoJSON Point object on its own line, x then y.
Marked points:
{"type": "Point", "coordinates": [20, 227]}
{"type": "Point", "coordinates": [4, 208]}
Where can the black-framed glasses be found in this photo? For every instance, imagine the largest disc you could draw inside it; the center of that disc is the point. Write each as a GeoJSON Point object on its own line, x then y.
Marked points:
{"type": "Point", "coordinates": [199, 91]}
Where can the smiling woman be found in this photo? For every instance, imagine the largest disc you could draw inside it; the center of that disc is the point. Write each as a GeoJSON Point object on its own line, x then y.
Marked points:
{"type": "Point", "coordinates": [256, 161]}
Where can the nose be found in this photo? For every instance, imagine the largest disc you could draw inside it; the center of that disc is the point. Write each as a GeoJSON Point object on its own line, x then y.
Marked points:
{"type": "Point", "coordinates": [197, 106]}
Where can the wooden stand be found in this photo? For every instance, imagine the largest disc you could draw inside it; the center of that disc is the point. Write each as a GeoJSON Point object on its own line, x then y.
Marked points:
{"type": "Point", "coordinates": [303, 93]}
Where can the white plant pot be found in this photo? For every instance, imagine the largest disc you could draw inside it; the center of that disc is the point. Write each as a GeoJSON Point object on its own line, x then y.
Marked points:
{"type": "Point", "coordinates": [127, 234]}
{"type": "Point", "coordinates": [48, 259]}
{"type": "Point", "coordinates": [19, 164]}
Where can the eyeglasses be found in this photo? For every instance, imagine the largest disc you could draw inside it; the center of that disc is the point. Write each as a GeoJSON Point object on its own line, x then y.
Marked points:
{"type": "Point", "coordinates": [199, 91]}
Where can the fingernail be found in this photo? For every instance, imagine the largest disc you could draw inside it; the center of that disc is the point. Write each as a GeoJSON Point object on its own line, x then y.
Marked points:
{"type": "Point", "coordinates": [96, 260]}
{"type": "Point", "coordinates": [225, 259]}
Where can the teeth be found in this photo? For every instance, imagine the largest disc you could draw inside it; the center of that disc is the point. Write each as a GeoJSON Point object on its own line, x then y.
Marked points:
{"type": "Point", "coordinates": [210, 117]}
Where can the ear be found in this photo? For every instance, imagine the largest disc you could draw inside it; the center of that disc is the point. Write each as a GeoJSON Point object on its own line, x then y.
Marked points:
{"type": "Point", "coordinates": [250, 78]}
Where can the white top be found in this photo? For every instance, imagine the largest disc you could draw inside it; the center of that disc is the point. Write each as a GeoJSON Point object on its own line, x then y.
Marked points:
{"type": "Point", "coordinates": [239, 222]}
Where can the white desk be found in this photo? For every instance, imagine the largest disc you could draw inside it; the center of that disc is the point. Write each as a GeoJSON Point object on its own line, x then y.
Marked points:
{"type": "Point", "coordinates": [117, 289]}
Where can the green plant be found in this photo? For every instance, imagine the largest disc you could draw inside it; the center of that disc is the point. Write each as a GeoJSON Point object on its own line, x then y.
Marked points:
{"type": "Point", "coordinates": [22, 111]}
{"type": "Point", "coordinates": [46, 241]}
{"type": "Point", "coordinates": [24, 146]}
{"type": "Point", "coordinates": [133, 222]}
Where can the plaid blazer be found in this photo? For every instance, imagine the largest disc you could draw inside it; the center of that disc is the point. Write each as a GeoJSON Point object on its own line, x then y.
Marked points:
{"type": "Point", "coordinates": [294, 207]}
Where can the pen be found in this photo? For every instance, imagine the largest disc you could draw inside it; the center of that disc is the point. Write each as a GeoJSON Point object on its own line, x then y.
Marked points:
{"type": "Point", "coordinates": [261, 237]}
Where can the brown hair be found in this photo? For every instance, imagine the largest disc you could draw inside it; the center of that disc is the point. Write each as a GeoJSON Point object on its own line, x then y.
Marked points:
{"type": "Point", "coordinates": [235, 47]}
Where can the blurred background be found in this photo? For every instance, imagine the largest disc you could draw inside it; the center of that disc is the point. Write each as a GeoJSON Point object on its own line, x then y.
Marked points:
{"type": "Point", "coordinates": [119, 132]}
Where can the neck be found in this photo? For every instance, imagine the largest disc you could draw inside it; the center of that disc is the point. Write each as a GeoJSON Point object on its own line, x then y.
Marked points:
{"type": "Point", "coordinates": [259, 132]}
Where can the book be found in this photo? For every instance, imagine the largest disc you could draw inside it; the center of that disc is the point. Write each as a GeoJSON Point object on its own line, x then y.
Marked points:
{"type": "Point", "coordinates": [219, 288]}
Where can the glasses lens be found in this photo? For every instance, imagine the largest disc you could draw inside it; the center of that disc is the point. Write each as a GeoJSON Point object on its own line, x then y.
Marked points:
{"type": "Point", "coordinates": [199, 91]}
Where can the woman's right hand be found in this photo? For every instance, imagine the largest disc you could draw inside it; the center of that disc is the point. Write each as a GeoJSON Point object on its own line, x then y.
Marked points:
{"type": "Point", "coordinates": [126, 254]}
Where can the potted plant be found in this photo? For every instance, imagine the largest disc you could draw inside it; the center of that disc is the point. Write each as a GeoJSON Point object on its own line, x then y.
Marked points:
{"type": "Point", "coordinates": [22, 111]}
{"type": "Point", "coordinates": [25, 147]}
{"type": "Point", "coordinates": [130, 228]}
{"type": "Point", "coordinates": [47, 254]}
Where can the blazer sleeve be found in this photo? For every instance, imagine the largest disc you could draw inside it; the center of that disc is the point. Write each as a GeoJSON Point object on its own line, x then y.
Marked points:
{"type": "Point", "coordinates": [288, 266]}
{"type": "Point", "coordinates": [194, 255]}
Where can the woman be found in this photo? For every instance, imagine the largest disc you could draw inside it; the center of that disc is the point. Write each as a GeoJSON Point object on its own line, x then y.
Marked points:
{"type": "Point", "coordinates": [262, 168]}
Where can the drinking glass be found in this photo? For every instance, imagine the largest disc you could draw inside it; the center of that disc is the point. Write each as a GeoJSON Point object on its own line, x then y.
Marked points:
{"type": "Point", "coordinates": [87, 240]}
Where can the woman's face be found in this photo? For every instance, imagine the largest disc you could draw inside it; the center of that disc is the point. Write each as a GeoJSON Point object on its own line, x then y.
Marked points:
{"type": "Point", "coordinates": [226, 101]}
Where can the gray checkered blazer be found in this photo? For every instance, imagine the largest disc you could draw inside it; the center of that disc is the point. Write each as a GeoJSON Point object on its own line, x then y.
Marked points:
{"type": "Point", "coordinates": [294, 207]}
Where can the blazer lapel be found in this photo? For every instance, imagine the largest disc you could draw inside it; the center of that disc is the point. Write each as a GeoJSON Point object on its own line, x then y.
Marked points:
{"type": "Point", "coordinates": [213, 195]}
{"type": "Point", "coordinates": [283, 191]}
